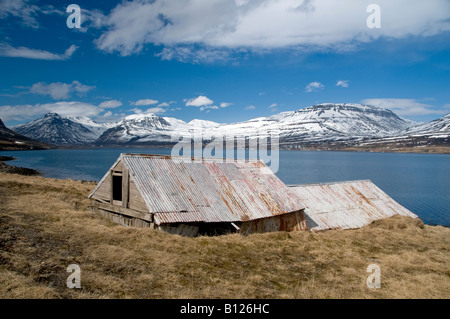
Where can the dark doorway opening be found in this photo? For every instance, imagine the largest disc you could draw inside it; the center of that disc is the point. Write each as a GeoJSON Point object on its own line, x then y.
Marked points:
{"type": "Point", "coordinates": [117, 187]}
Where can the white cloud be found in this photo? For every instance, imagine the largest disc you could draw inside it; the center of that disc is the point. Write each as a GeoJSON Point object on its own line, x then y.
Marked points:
{"type": "Point", "coordinates": [314, 87]}
{"type": "Point", "coordinates": [250, 107]}
{"type": "Point", "coordinates": [204, 103]}
{"type": "Point", "coordinates": [200, 101]}
{"type": "Point", "coordinates": [22, 52]}
{"type": "Point", "coordinates": [28, 111]}
{"type": "Point", "coordinates": [342, 83]}
{"type": "Point", "coordinates": [273, 107]}
{"type": "Point", "coordinates": [26, 11]}
{"type": "Point", "coordinates": [155, 110]}
{"type": "Point", "coordinates": [92, 19]}
{"type": "Point", "coordinates": [152, 110]}
{"type": "Point", "coordinates": [404, 107]}
{"type": "Point", "coordinates": [63, 108]}
{"type": "Point", "coordinates": [137, 110]}
{"type": "Point", "coordinates": [221, 25]}
{"type": "Point", "coordinates": [145, 102]}
{"type": "Point", "coordinates": [58, 90]}
{"type": "Point", "coordinates": [209, 107]}
{"type": "Point", "coordinates": [189, 53]}
{"type": "Point", "coordinates": [110, 104]}
{"type": "Point", "coordinates": [166, 104]}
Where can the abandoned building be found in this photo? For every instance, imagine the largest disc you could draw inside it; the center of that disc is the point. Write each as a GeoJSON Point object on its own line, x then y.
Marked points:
{"type": "Point", "coordinates": [189, 196]}
{"type": "Point", "coordinates": [186, 196]}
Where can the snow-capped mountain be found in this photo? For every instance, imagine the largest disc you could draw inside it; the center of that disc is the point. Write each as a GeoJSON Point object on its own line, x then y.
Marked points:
{"type": "Point", "coordinates": [57, 130]}
{"type": "Point", "coordinates": [10, 140]}
{"type": "Point", "coordinates": [323, 123]}
{"type": "Point", "coordinates": [138, 127]}
{"type": "Point", "coordinates": [150, 128]}
{"type": "Point", "coordinates": [94, 127]}
{"type": "Point", "coordinates": [437, 127]}
{"type": "Point", "coordinates": [423, 135]}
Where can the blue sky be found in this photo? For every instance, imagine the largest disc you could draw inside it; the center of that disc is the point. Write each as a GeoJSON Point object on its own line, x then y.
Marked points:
{"type": "Point", "coordinates": [222, 60]}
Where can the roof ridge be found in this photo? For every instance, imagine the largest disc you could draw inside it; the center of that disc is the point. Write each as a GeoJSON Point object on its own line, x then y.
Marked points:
{"type": "Point", "coordinates": [161, 156]}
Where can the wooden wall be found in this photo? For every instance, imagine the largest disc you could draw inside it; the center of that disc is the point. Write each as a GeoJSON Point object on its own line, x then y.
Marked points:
{"type": "Point", "coordinates": [286, 222]}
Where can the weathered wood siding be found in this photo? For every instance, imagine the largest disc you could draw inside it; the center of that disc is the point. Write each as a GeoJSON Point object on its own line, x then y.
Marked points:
{"type": "Point", "coordinates": [103, 192]}
{"type": "Point", "coordinates": [135, 200]}
{"type": "Point", "coordinates": [286, 222]}
{"type": "Point", "coordinates": [123, 220]}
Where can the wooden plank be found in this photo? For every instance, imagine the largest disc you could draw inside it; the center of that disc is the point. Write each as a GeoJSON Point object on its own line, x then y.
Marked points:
{"type": "Point", "coordinates": [122, 219]}
{"type": "Point", "coordinates": [103, 190]}
{"type": "Point", "coordinates": [111, 187]}
{"type": "Point", "coordinates": [123, 211]}
{"type": "Point", "coordinates": [125, 187]}
{"type": "Point", "coordinates": [118, 167]}
{"type": "Point", "coordinates": [135, 200]}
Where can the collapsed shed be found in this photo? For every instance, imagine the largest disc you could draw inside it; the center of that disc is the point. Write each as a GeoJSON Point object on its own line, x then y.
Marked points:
{"type": "Point", "coordinates": [347, 205]}
{"type": "Point", "coordinates": [189, 196]}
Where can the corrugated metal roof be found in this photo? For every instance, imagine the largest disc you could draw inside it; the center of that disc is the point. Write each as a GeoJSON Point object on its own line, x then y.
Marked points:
{"type": "Point", "coordinates": [347, 205]}
{"type": "Point", "coordinates": [209, 190]}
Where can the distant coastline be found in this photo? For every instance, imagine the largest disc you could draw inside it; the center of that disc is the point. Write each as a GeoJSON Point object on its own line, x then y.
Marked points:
{"type": "Point", "coordinates": [384, 148]}
{"type": "Point", "coordinates": [5, 168]}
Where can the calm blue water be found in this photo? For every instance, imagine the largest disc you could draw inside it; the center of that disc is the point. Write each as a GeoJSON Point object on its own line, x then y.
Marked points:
{"type": "Point", "coordinates": [420, 182]}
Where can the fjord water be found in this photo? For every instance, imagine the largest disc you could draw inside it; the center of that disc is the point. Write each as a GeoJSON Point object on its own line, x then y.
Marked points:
{"type": "Point", "coordinates": [420, 182]}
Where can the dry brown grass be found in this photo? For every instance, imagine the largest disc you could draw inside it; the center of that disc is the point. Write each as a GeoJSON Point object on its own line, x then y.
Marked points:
{"type": "Point", "coordinates": [45, 226]}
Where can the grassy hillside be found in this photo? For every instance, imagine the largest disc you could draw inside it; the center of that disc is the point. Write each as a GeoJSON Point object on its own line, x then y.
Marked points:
{"type": "Point", "coordinates": [45, 226]}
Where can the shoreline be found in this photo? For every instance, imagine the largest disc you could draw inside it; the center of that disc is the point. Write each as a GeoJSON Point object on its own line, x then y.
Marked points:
{"type": "Point", "coordinates": [362, 149]}
{"type": "Point", "coordinates": [5, 168]}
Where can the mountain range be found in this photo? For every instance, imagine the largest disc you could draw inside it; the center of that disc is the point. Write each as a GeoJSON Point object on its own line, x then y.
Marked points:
{"type": "Point", "coordinates": [10, 140]}
{"type": "Point", "coordinates": [322, 124]}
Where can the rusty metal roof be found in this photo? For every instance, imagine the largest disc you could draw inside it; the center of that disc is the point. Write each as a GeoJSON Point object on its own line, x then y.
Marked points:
{"type": "Point", "coordinates": [346, 205]}
{"type": "Point", "coordinates": [181, 189]}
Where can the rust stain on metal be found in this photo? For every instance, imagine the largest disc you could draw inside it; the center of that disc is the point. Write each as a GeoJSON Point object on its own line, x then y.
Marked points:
{"type": "Point", "coordinates": [184, 190]}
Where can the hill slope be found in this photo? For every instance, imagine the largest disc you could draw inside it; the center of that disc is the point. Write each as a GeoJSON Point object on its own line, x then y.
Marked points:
{"type": "Point", "coordinates": [432, 137]}
{"type": "Point", "coordinates": [63, 131]}
{"type": "Point", "coordinates": [41, 237]}
{"type": "Point", "coordinates": [325, 123]}
{"type": "Point", "coordinates": [10, 140]}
